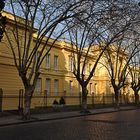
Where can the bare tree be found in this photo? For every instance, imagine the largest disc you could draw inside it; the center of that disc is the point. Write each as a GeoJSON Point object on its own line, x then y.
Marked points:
{"type": "Point", "coordinates": [47, 17]}
{"type": "Point", "coordinates": [119, 57]}
{"type": "Point", "coordinates": [91, 36]}
{"type": "Point", "coordinates": [117, 62]}
{"type": "Point", "coordinates": [2, 4]}
{"type": "Point", "coordinates": [134, 72]}
{"type": "Point", "coordinates": [134, 67]}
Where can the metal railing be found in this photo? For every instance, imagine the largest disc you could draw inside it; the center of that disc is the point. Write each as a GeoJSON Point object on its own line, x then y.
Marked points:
{"type": "Point", "coordinates": [15, 99]}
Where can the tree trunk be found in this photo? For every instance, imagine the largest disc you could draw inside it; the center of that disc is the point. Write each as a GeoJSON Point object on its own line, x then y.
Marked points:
{"type": "Point", "coordinates": [136, 97]}
{"type": "Point", "coordinates": [84, 100]}
{"type": "Point", "coordinates": [117, 99]}
{"type": "Point", "coordinates": [27, 102]}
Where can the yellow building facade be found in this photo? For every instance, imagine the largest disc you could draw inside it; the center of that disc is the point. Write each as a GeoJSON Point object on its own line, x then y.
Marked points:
{"type": "Point", "coordinates": [56, 77]}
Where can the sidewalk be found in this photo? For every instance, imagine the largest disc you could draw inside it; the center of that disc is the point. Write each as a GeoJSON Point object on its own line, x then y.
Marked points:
{"type": "Point", "coordinates": [15, 119]}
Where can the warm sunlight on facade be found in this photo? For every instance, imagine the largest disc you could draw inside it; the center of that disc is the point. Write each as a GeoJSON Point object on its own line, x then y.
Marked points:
{"type": "Point", "coordinates": [56, 77]}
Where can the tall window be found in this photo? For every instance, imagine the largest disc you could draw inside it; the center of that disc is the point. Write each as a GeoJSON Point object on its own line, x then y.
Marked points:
{"type": "Point", "coordinates": [48, 61]}
{"type": "Point", "coordinates": [56, 62]}
{"type": "Point", "coordinates": [37, 56]}
{"type": "Point", "coordinates": [70, 63]}
{"type": "Point", "coordinates": [38, 86]}
{"type": "Point", "coordinates": [79, 88]}
{"type": "Point", "coordinates": [70, 86]}
{"type": "Point", "coordinates": [90, 88]}
{"type": "Point", "coordinates": [90, 68]}
{"type": "Point", "coordinates": [95, 88]}
{"type": "Point", "coordinates": [56, 87]}
{"type": "Point", "coordinates": [48, 85]}
{"type": "Point", "coordinates": [84, 71]}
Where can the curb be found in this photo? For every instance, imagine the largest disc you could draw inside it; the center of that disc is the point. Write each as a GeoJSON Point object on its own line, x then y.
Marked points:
{"type": "Point", "coordinates": [63, 117]}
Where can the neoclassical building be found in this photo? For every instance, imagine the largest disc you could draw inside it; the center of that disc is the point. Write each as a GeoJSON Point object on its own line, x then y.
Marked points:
{"type": "Point", "coordinates": [56, 78]}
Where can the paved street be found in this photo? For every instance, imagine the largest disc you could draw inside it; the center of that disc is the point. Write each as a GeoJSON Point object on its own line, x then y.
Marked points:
{"type": "Point", "coordinates": [123, 125]}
